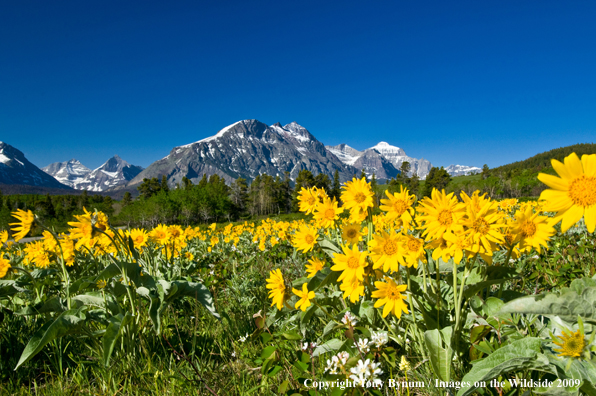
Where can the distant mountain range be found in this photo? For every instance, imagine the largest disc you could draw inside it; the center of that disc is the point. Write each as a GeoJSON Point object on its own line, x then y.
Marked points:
{"type": "Point", "coordinates": [114, 173]}
{"type": "Point", "coordinates": [461, 170]}
{"type": "Point", "coordinates": [383, 159]}
{"type": "Point", "coordinates": [244, 149]}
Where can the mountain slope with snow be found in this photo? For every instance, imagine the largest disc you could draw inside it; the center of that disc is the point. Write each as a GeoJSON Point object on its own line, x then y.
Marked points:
{"type": "Point", "coordinates": [16, 169]}
{"type": "Point", "coordinates": [247, 149]}
{"type": "Point", "coordinates": [114, 173]}
{"type": "Point", "coordinates": [70, 173]}
{"type": "Point", "coordinates": [385, 164]}
{"type": "Point", "coordinates": [462, 170]}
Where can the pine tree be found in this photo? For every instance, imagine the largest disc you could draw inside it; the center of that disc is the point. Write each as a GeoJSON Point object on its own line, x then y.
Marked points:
{"type": "Point", "coordinates": [336, 189]}
{"type": "Point", "coordinates": [164, 183]}
{"type": "Point", "coordinates": [126, 199]}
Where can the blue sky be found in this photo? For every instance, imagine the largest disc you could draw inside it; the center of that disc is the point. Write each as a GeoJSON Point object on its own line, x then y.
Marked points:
{"type": "Point", "coordinates": [466, 82]}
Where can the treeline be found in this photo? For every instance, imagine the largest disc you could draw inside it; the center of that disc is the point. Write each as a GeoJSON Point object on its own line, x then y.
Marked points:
{"type": "Point", "coordinates": [542, 162]}
{"type": "Point", "coordinates": [53, 210]}
{"type": "Point", "coordinates": [212, 200]}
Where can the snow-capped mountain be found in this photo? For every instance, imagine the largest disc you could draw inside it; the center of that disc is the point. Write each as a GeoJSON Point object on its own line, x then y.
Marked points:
{"type": "Point", "coordinates": [460, 170]}
{"type": "Point", "coordinates": [398, 156]}
{"type": "Point", "coordinates": [113, 173]}
{"type": "Point", "coordinates": [16, 169]}
{"type": "Point", "coordinates": [370, 160]}
{"type": "Point", "coordinates": [387, 156]}
{"type": "Point", "coordinates": [71, 173]}
{"type": "Point", "coordinates": [246, 149]}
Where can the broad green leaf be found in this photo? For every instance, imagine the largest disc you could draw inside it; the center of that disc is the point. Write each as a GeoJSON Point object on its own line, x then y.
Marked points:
{"type": "Point", "coordinates": [53, 304]}
{"type": "Point", "coordinates": [329, 247]}
{"type": "Point", "coordinates": [331, 278]}
{"type": "Point", "coordinates": [64, 324]}
{"type": "Point", "coordinates": [367, 310]}
{"type": "Point", "coordinates": [440, 352]}
{"type": "Point", "coordinates": [492, 306]}
{"type": "Point", "coordinates": [43, 273]}
{"type": "Point", "coordinates": [301, 366]}
{"type": "Point", "coordinates": [305, 318]}
{"type": "Point", "coordinates": [177, 289]}
{"type": "Point", "coordinates": [155, 306]}
{"type": "Point", "coordinates": [98, 299]}
{"type": "Point", "coordinates": [329, 327]}
{"type": "Point", "coordinates": [268, 351]}
{"type": "Point", "coordinates": [329, 346]}
{"type": "Point", "coordinates": [8, 288]}
{"type": "Point", "coordinates": [519, 355]}
{"type": "Point", "coordinates": [315, 281]}
{"type": "Point", "coordinates": [283, 387]}
{"type": "Point", "coordinates": [291, 335]}
{"type": "Point", "coordinates": [568, 304]}
{"type": "Point", "coordinates": [112, 334]}
{"type": "Point", "coordinates": [80, 284]}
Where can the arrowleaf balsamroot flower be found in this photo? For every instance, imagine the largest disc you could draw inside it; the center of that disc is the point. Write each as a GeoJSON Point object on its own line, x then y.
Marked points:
{"type": "Point", "coordinates": [570, 344]}
{"type": "Point", "coordinates": [573, 194]}
{"type": "Point", "coordinates": [352, 262]}
{"type": "Point", "coordinates": [399, 205]}
{"type": "Point", "coordinates": [357, 195]}
{"type": "Point", "coordinates": [307, 200]}
{"type": "Point", "coordinates": [351, 233]}
{"type": "Point", "coordinates": [3, 237]}
{"type": "Point", "coordinates": [277, 286]}
{"type": "Point", "coordinates": [4, 266]}
{"type": "Point", "coordinates": [440, 214]}
{"type": "Point", "coordinates": [327, 212]}
{"type": "Point", "coordinates": [305, 238]}
{"type": "Point", "coordinates": [315, 266]}
{"type": "Point", "coordinates": [533, 230]}
{"type": "Point", "coordinates": [305, 297]}
{"type": "Point", "coordinates": [23, 226]}
{"type": "Point", "coordinates": [386, 251]}
{"type": "Point", "coordinates": [389, 295]}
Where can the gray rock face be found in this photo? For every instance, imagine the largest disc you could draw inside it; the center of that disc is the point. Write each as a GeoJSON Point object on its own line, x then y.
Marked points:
{"type": "Point", "coordinates": [373, 162]}
{"type": "Point", "coordinates": [383, 159]}
{"type": "Point", "coordinates": [397, 156]}
{"type": "Point", "coordinates": [70, 173]}
{"type": "Point", "coordinates": [246, 149]}
{"type": "Point", "coordinates": [345, 153]}
{"type": "Point", "coordinates": [16, 169]}
{"type": "Point", "coordinates": [114, 173]}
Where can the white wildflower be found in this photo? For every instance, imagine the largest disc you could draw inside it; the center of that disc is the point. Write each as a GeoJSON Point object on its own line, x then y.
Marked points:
{"type": "Point", "coordinates": [362, 345]}
{"type": "Point", "coordinates": [378, 339]}
{"type": "Point", "coordinates": [349, 319]}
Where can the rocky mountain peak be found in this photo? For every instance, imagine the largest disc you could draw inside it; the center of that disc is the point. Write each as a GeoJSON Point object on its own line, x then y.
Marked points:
{"type": "Point", "coordinates": [247, 149]}
{"type": "Point", "coordinates": [16, 169]}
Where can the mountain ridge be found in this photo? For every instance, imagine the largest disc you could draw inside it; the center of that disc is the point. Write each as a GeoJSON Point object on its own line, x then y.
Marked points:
{"type": "Point", "coordinates": [113, 173]}
{"type": "Point", "coordinates": [15, 169]}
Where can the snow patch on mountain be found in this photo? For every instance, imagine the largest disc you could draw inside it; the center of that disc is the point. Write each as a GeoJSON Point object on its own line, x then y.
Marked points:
{"type": "Point", "coordinates": [461, 170]}
{"type": "Point", "coordinates": [16, 169]}
{"type": "Point", "coordinates": [70, 173]}
{"type": "Point", "coordinates": [395, 155]}
{"type": "Point", "coordinates": [113, 173]}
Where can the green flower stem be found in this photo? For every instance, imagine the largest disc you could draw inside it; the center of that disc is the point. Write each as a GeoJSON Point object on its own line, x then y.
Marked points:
{"type": "Point", "coordinates": [65, 277]}
{"type": "Point", "coordinates": [389, 327]}
{"type": "Point", "coordinates": [326, 313]}
{"type": "Point", "coordinates": [458, 298]}
{"type": "Point", "coordinates": [506, 262]}
{"type": "Point", "coordinates": [416, 330]}
{"type": "Point", "coordinates": [30, 276]}
{"type": "Point", "coordinates": [424, 278]}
